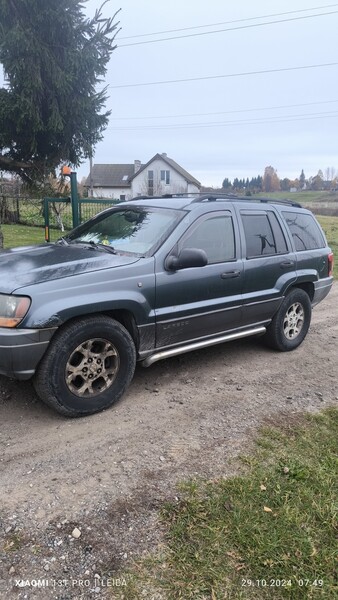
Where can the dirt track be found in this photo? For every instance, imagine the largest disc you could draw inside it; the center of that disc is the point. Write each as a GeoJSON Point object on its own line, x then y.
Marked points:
{"type": "Point", "coordinates": [107, 474]}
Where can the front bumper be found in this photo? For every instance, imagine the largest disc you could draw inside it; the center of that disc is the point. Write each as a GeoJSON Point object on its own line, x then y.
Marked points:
{"type": "Point", "coordinates": [21, 350]}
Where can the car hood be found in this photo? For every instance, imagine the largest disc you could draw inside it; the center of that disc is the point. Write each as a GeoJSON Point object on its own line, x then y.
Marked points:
{"type": "Point", "coordinates": [29, 265]}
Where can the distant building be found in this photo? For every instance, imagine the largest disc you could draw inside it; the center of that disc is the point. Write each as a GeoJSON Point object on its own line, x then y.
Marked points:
{"type": "Point", "coordinates": [160, 175]}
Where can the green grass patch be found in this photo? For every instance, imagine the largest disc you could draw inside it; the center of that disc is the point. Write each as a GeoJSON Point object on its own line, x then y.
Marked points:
{"type": "Point", "coordinates": [301, 197]}
{"type": "Point", "coordinates": [269, 533]}
{"type": "Point", "coordinates": [14, 541]}
{"type": "Point", "coordinates": [330, 227]}
{"type": "Point", "coordinates": [22, 235]}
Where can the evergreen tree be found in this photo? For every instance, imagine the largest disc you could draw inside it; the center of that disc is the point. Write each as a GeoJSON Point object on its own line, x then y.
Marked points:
{"type": "Point", "coordinates": [285, 184]}
{"type": "Point", "coordinates": [53, 57]}
{"type": "Point", "coordinates": [302, 180]}
{"type": "Point", "coordinates": [226, 184]}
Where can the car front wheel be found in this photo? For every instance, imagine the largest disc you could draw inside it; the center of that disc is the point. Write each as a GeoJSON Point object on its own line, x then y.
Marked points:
{"type": "Point", "coordinates": [291, 322]}
{"type": "Point", "coordinates": [88, 366]}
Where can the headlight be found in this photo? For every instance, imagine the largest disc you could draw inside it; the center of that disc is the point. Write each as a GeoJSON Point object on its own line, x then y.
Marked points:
{"type": "Point", "coordinates": [13, 309]}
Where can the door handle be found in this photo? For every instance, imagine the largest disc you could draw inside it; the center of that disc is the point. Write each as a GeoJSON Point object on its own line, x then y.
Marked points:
{"type": "Point", "coordinates": [230, 274]}
{"type": "Point", "coordinates": [286, 264]}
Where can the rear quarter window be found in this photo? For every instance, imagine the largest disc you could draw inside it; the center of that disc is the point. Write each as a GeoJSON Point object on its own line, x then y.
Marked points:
{"type": "Point", "coordinates": [305, 231]}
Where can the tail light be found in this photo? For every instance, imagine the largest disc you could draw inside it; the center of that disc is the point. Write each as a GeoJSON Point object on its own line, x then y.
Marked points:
{"type": "Point", "coordinates": [330, 261]}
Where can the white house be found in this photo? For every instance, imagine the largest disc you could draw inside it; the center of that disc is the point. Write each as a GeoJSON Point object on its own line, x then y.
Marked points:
{"type": "Point", "coordinates": [160, 175]}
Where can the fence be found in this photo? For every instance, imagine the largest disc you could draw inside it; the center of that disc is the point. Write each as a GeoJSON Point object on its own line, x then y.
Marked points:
{"type": "Point", "coordinates": [21, 210]}
{"type": "Point", "coordinates": [58, 214]}
{"type": "Point", "coordinates": [32, 212]}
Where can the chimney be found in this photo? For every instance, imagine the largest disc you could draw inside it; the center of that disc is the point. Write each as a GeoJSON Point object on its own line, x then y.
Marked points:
{"type": "Point", "coordinates": [164, 154]}
{"type": "Point", "coordinates": [137, 165]}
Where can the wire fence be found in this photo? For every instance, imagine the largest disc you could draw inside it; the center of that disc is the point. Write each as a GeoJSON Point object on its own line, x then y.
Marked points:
{"type": "Point", "coordinates": [28, 211]}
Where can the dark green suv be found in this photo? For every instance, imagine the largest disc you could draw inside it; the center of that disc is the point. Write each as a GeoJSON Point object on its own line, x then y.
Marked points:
{"type": "Point", "coordinates": [153, 278]}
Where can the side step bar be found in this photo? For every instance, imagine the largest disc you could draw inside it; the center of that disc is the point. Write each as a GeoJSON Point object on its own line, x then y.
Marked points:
{"type": "Point", "coordinates": [198, 345]}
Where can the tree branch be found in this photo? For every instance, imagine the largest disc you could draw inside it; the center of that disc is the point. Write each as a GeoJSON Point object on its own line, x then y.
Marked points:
{"type": "Point", "coordinates": [9, 164]}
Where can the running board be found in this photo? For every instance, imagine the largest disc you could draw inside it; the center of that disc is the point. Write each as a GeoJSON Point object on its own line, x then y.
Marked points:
{"type": "Point", "coordinates": [198, 345]}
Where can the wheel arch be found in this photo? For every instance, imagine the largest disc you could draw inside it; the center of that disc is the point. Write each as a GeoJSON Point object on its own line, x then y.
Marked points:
{"type": "Point", "coordinates": [127, 319]}
{"type": "Point", "coordinates": [123, 316]}
{"type": "Point", "coordinates": [306, 286]}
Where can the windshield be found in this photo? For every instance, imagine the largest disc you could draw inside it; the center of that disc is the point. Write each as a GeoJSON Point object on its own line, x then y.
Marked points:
{"type": "Point", "coordinates": [135, 231]}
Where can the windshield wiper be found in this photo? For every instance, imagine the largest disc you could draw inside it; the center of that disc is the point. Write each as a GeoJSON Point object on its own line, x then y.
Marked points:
{"type": "Point", "coordinates": [105, 247]}
{"type": "Point", "coordinates": [63, 241]}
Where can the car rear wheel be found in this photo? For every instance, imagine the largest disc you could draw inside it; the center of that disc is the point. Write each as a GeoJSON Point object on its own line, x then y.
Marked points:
{"type": "Point", "coordinates": [88, 366]}
{"type": "Point", "coordinates": [291, 322]}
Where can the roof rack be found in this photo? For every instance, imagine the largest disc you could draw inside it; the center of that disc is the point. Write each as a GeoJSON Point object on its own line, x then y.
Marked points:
{"type": "Point", "coordinates": [145, 197]}
{"type": "Point", "coordinates": [215, 197]}
{"type": "Point", "coordinates": [177, 195]}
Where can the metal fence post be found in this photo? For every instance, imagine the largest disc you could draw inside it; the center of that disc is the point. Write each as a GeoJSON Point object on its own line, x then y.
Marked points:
{"type": "Point", "coordinates": [46, 215]}
{"type": "Point", "coordinates": [74, 198]}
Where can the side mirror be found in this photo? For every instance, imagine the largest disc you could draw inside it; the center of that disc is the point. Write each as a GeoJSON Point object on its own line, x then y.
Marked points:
{"type": "Point", "coordinates": [188, 257]}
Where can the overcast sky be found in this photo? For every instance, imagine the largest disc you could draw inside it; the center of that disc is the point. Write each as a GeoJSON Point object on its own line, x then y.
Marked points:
{"type": "Point", "coordinates": [232, 121]}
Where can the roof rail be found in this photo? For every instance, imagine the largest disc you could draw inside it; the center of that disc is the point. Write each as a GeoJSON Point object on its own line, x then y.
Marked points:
{"type": "Point", "coordinates": [215, 197]}
{"type": "Point", "coordinates": [145, 197]}
{"type": "Point", "coordinates": [278, 201]}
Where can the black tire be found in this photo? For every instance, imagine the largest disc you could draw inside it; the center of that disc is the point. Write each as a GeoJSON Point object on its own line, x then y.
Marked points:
{"type": "Point", "coordinates": [87, 367]}
{"type": "Point", "coordinates": [291, 323]}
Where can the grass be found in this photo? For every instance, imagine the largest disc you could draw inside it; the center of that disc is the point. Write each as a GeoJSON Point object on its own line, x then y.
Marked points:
{"type": "Point", "coordinates": [330, 226]}
{"type": "Point", "coordinates": [305, 196]}
{"type": "Point", "coordinates": [21, 235]}
{"type": "Point", "coordinates": [269, 533]}
{"type": "Point", "coordinates": [26, 235]}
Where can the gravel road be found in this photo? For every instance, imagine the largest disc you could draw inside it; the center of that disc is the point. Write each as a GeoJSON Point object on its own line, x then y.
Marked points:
{"type": "Point", "coordinates": [107, 474]}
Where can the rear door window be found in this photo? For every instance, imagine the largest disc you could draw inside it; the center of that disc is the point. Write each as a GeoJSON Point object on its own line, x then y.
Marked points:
{"type": "Point", "coordinates": [263, 234]}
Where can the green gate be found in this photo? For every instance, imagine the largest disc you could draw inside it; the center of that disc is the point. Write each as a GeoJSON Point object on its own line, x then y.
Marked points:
{"type": "Point", "coordinates": [72, 211]}
{"type": "Point", "coordinates": [63, 214]}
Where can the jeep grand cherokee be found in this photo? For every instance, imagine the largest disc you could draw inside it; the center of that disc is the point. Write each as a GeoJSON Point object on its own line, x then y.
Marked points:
{"type": "Point", "coordinates": [153, 278]}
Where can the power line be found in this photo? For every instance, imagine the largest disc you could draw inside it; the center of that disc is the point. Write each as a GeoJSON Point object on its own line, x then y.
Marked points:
{"type": "Point", "coordinates": [223, 112]}
{"type": "Point", "coordinates": [228, 75]}
{"type": "Point", "coordinates": [189, 35]}
{"type": "Point", "coordinates": [290, 12]}
{"type": "Point", "coordinates": [282, 119]}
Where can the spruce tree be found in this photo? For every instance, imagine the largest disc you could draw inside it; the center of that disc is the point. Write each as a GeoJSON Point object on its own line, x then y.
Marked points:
{"type": "Point", "coordinates": [54, 60]}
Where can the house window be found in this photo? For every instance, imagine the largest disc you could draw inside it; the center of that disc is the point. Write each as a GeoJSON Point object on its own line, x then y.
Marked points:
{"type": "Point", "coordinates": [122, 197]}
{"type": "Point", "coordinates": [150, 183]}
{"type": "Point", "coordinates": [165, 177]}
